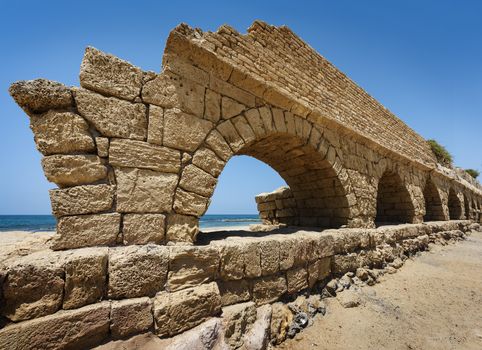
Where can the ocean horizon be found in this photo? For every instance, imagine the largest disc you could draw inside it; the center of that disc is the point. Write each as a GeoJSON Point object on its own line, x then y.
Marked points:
{"type": "Point", "coordinates": [36, 223]}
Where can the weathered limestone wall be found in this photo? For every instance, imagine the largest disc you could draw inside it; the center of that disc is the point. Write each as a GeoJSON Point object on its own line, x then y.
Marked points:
{"type": "Point", "coordinates": [278, 207]}
{"type": "Point", "coordinates": [78, 298]}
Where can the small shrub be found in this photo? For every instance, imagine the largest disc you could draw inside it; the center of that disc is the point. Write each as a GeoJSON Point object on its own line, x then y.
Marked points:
{"type": "Point", "coordinates": [472, 172]}
{"type": "Point", "coordinates": [443, 156]}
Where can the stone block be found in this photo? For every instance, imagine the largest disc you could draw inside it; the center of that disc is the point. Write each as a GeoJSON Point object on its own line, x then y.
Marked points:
{"type": "Point", "coordinates": [70, 329]}
{"type": "Point", "coordinates": [319, 245]}
{"type": "Point", "coordinates": [169, 90]}
{"type": "Point", "coordinates": [112, 117]}
{"type": "Point", "coordinates": [231, 108]}
{"type": "Point", "coordinates": [130, 316]}
{"type": "Point", "coordinates": [40, 95]}
{"type": "Point", "coordinates": [33, 287]}
{"type": "Point", "coordinates": [189, 203]}
{"type": "Point", "coordinates": [179, 311]}
{"type": "Point", "coordinates": [191, 266]}
{"type": "Point", "coordinates": [291, 252]}
{"type": "Point", "coordinates": [110, 75]}
{"type": "Point", "coordinates": [181, 228]}
{"type": "Point", "coordinates": [268, 289]}
{"type": "Point", "coordinates": [232, 91]}
{"type": "Point", "coordinates": [184, 131]}
{"type": "Point", "coordinates": [61, 133]}
{"type": "Point", "coordinates": [244, 129]}
{"type": "Point", "coordinates": [212, 110]}
{"type": "Point", "coordinates": [269, 250]}
{"type": "Point", "coordinates": [219, 145]}
{"type": "Point", "coordinates": [196, 180]}
{"type": "Point", "coordinates": [279, 120]}
{"type": "Point", "coordinates": [86, 231]}
{"type": "Point", "coordinates": [143, 155]}
{"type": "Point", "coordinates": [136, 271]}
{"type": "Point", "coordinates": [144, 228]}
{"type": "Point", "coordinates": [208, 161]}
{"type": "Point", "coordinates": [230, 135]}
{"type": "Point", "coordinates": [240, 259]}
{"type": "Point", "coordinates": [85, 199]}
{"type": "Point", "coordinates": [102, 144]}
{"type": "Point", "coordinates": [73, 170]}
{"type": "Point", "coordinates": [296, 280]}
{"type": "Point", "coordinates": [344, 263]}
{"type": "Point", "coordinates": [155, 129]}
{"type": "Point", "coordinates": [143, 190]}
{"type": "Point", "coordinates": [255, 121]}
{"type": "Point", "coordinates": [85, 277]}
{"type": "Point", "coordinates": [237, 320]}
{"type": "Point", "coordinates": [319, 270]}
{"type": "Point", "coordinates": [232, 261]}
{"type": "Point", "coordinates": [233, 292]}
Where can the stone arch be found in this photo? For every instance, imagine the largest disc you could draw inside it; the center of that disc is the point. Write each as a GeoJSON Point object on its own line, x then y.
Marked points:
{"type": "Point", "coordinates": [455, 207]}
{"type": "Point", "coordinates": [292, 146]}
{"type": "Point", "coordinates": [433, 203]}
{"type": "Point", "coordinates": [394, 203]}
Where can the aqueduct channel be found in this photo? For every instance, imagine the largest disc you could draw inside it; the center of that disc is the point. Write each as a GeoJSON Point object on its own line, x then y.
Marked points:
{"type": "Point", "coordinates": [136, 156]}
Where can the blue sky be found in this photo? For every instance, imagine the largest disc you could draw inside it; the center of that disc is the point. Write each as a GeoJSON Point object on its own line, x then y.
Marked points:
{"type": "Point", "coordinates": [421, 59]}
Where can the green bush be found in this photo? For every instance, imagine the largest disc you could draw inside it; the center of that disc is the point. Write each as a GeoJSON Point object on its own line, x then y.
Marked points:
{"type": "Point", "coordinates": [442, 155]}
{"type": "Point", "coordinates": [472, 172]}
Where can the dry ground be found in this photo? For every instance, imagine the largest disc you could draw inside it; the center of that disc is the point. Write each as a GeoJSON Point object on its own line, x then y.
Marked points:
{"type": "Point", "coordinates": [433, 302]}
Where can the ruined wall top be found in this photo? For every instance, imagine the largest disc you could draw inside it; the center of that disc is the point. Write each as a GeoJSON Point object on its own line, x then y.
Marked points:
{"type": "Point", "coordinates": [276, 65]}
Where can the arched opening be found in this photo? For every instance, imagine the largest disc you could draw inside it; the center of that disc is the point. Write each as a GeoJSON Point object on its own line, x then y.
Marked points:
{"type": "Point", "coordinates": [455, 208]}
{"type": "Point", "coordinates": [394, 205]}
{"type": "Point", "coordinates": [466, 208]}
{"type": "Point", "coordinates": [318, 195]}
{"type": "Point", "coordinates": [233, 203]}
{"type": "Point", "coordinates": [433, 203]}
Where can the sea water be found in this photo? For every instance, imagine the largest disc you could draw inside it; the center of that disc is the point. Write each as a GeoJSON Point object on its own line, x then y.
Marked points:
{"type": "Point", "coordinates": [35, 223]}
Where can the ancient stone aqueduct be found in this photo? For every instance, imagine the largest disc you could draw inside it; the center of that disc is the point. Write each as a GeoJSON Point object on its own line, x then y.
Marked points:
{"type": "Point", "coordinates": [136, 156]}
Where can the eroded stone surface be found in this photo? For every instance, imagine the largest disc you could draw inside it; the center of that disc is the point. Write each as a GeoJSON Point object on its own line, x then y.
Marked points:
{"type": "Point", "coordinates": [112, 117]}
{"type": "Point", "coordinates": [191, 266]}
{"type": "Point", "coordinates": [144, 191]}
{"type": "Point", "coordinates": [197, 180]}
{"type": "Point", "coordinates": [85, 199]}
{"type": "Point", "coordinates": [61, 133]}
{"type": "Point", "coordinates": [72, 170]}
{"type": "Point", "coordinates": [85, 277]}
{"type": "Point", "coordinates": [207, 160]}
{"type": "Point", "coordinates": [109, 75]}
{"type": "Point", "coordinates": [268, 289]}
{"type": "Point", "coordinates": [181, 228]}
{"type": "Point", "coordinates": [40, 95]}
{"type": "Point", "coordinates": [144, 228]}
{"type": "Point", "coordinates": [138, 154]}
{"type": "Point", "coordinates": [184, 131]}
{"type": "Point", "coordinates": [182, 310]}
{"type": "Point", "coordinates": [33, 287]}
{"type": "Point", "coordinates": [130, 316]}
{"type": "Point", "coordinates": [86, 231]}
{"type": "Point", "coordinates": [137, 271]}
{"type": "Point", "coordinates": [190, 203]}
{"type": "Point", "coordinates": [73, 329]}
{"type": "Point", "coordinates": [168, 90]}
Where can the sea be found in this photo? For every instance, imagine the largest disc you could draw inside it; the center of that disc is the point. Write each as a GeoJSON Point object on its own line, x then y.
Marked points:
{"type": "Point", "coordinates": [36, 223]}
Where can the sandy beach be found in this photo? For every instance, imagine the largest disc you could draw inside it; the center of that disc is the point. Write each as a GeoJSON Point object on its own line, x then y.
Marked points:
{"type": "Point", "coordinates": [433, 302]}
